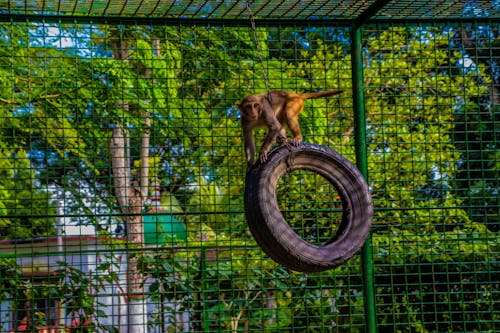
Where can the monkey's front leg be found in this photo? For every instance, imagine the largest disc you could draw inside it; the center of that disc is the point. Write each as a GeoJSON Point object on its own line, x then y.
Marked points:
{"type": "Point", "coordinates": [250, 152]}
{"type": "Point", "coordinates": [249, 145]}
{"type": "Point", "coordinates": [264, 152]}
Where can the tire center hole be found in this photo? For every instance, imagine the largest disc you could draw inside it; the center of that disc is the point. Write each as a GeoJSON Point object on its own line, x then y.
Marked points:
{"type": "Point", "coordinates": [310, 205]}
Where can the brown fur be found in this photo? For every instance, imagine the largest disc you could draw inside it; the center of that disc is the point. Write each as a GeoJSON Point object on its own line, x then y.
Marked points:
{"type": "Point", "coordinates": [275, 110]}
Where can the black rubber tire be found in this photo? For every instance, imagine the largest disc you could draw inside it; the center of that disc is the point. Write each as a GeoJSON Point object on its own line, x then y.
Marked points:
{"type": "Point", "coordinates": [274, 234]}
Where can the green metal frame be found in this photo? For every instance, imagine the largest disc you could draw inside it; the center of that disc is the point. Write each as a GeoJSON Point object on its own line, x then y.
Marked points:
{"type": "Point", "coordinates": [233, 14]}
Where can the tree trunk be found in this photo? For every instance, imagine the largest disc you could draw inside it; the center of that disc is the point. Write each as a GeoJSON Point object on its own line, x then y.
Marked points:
{"type": "Point", "coordinates": [131, 200]}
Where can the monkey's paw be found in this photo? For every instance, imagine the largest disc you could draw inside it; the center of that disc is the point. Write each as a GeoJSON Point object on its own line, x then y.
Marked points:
{"type": "Point", "coordinates": [281, 139]}
{"type": "Point", "coordinates": [263, 156]}
{"type": "Point", "coordinates": [296, 141]}
{"type": "Point", "coordinates": [287, 145]}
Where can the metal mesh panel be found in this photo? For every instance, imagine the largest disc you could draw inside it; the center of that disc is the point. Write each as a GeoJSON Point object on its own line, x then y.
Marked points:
{"type": "Point", "coordinates": [97, 235]}
{"type": "Point", "coordinates": [323, 9]}
{"type": "Point", "coordinates": [423, 93]}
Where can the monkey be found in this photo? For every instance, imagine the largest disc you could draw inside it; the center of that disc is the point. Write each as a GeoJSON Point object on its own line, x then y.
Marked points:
{"type": "Point", "coordinates": [275, 110]}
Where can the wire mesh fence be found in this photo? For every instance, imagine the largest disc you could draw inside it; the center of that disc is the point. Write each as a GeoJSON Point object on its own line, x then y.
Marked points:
{"type": "Point", "coordinates": [123, 173]}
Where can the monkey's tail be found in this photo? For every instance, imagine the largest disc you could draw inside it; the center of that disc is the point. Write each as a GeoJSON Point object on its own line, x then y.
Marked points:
{"type": "Point", "coordinates": [321, 94]}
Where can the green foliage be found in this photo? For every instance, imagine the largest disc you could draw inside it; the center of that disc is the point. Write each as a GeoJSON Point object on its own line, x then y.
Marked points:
{"type": "Point", "coordinates": [79, 291]}
{"type": "Point", "coordinates": [232, 288]}
{"type": "Point", "coordinates": [26, 212]}
{"type": "Point", "coordinates": [411, 100]}
{"type": "Point", "coordinates": [310, 204]}
{"type": "Point", "coordinates": [442, 281]}
{"type": "Point", "coordinates": [31, 99]}
{"type": "Point", "coordinates": [10, 274]}
{"type": "Point", "coordinates": [428, 129]}
{"type": "Point", "coordinates": [475, 136]}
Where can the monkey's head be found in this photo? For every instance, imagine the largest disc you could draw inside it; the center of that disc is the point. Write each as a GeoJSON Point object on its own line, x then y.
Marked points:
{"type": "Point", "coordinates": [251, 107]}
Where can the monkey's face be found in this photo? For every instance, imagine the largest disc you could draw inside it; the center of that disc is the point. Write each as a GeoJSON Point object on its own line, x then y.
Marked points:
{"type": "Point", "coordinates": [250, 108]}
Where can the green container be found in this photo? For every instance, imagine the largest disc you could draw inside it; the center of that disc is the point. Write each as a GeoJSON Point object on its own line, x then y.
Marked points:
{"type": "Point", "coordinates": [162, 229]}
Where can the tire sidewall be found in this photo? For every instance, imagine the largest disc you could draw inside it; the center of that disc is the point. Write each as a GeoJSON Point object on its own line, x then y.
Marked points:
{"type": "Point", "coordinates": [275, 235]}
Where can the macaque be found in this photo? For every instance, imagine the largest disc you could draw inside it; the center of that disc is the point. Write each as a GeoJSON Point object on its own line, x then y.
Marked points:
{"type": "Point", "coordinates": [275, 110]}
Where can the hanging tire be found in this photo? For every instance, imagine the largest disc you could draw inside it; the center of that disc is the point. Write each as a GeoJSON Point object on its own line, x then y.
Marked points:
{"type": "Point", "coordinates": [272, 232]}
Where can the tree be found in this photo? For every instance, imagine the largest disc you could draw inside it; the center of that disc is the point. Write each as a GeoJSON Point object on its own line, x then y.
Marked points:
{"type": "Point", "coordinates": [26, 212]}
{"type": "Point", "coordinates": [476, 132]}
{"type": "Point", "coordinates": [168, 95]}
{"type": "Point", "coordinates": [413, 94]}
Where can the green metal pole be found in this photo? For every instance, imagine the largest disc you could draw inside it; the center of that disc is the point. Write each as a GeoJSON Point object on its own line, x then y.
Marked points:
{"type": "Point", "coordinates": [204, 288]}
{"type": "Point", "coordinates": [362, 164]}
